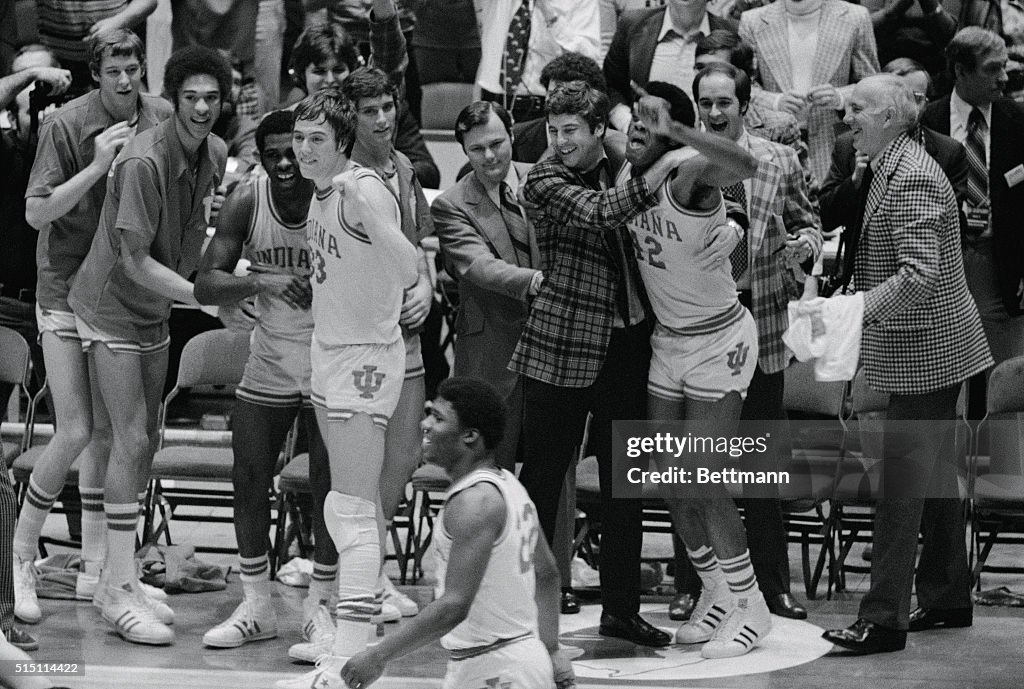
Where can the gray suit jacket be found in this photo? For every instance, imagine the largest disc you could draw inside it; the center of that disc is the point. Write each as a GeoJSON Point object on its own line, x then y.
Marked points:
{"type": "Point", "coordinates": [493, 304]}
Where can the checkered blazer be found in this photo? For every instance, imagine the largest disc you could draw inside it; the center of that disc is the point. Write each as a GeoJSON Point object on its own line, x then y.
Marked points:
{"type": "Point", "coordinates": [845, 54]}
{"type": "Point", "coordinates": [922, 331]}
{"type": "Point", "coordinates": [778, 205]}
{"type": "Point", "coordinates": [565, 339]}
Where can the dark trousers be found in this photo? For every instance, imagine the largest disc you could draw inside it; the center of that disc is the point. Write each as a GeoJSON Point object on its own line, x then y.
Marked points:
{"type": "Point", "coordinates": [762, 514]}
{"type": "Point", "coordinates": [943, 580]}
{"type": "Point", "coordinates": [553, 421]}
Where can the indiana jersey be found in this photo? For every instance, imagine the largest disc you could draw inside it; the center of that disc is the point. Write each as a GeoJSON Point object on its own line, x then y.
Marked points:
{"type": "Point", "coordinates": [358, 278]}
{"type": "Point", "coordinates": [504, 607]}
{"type": "Point", "coordinates": [685, 297]}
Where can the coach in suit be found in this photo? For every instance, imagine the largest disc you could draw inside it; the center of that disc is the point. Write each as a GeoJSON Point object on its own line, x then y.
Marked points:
{"type": "Point", "coordinates": [490, 249]}
{"type": "Point", "coordinates": [812, 78]}
{"type": "Point", "coordinates": [839, 192]}
{"type": "Point", "coordinates": [922, 338]}
{"type": "Point", "coordinates": [656, 45]}
{"type": "Point", "coordinates": [783, 229]}
{"type": "Point", "coordinates": [993, 240]}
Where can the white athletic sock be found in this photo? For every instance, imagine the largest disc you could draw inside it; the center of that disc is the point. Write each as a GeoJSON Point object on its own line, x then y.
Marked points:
{"type": "Point", "coordinates": [707, 566]}
{"type": "Point", "coordinates": [30, 522]}
{"type": "Point", "coordinates": [122, 521]}
{"type": "Point", "coordinates": [323, 586]}
{"type": "Point", "coordinates": [94, 526]}
{"type": "Point", "coordinates": [352, 525]}
{"type": "Point", "coordinates": [740, 575]}
{"type": "Point", "coordinates": [254, 573]}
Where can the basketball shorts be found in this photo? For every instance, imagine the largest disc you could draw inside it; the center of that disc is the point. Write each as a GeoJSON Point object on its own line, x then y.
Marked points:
{"type": "Point", "coordinates": [277, 373]}
{"type": "Point", "coordinates": [704, 367]}
{"type": "Point", "coordinates": [60, 323]}
{"type": "Point", "coordinates": [358, 379]}
{"type": "Point", "coordinates": [117, 344]}
{"type": "Point", "coordinates": [524, 664]}
{"type": "Point", "coordinates": [413, 356]}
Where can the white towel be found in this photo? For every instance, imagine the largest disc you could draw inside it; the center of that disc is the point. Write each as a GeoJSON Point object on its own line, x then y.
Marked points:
{"type": "Point", "coordinates": [828, 331]}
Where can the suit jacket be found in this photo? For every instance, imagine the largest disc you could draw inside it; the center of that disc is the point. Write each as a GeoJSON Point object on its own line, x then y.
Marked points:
{"type": "Point", "coordinates": [845, 54]}
{"type": "Point", "coordinates": [778, 205]}
{"type": "Point", "coordinates": [632, 50]}
{"type": "Point", "coordinates": [839, 196]}
{"type": "Point", "coordinates": [922, 331]}
{"type": "Point", "coordinates": [565, 339]}
{"type": "Point", "coordinates": [1007, 132]}
{"type": "Point", "coordinates": [493, 302]}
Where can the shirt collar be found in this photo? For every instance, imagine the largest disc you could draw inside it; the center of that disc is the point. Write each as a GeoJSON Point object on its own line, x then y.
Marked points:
{"type": "Point", "coordinates": [178, 164]}
{"type": "Point", "coordinates": [97, 118]}
{"type": "Point", "coordinates": [667, 26]}
{"type": "Point", "coordinates": [963, 109]}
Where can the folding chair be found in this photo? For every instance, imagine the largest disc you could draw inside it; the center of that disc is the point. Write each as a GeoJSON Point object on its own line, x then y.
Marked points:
{"type": "Point", "coordinates": [212, 358]}
{"type": "Point", "coordinates": [15, 370]}
{"type": "Point", "coordinates": [997, 495]}
{"type": "Point", "coordinates": [428, 481]}
{"type": "Point", "coordinates": [819, 450]}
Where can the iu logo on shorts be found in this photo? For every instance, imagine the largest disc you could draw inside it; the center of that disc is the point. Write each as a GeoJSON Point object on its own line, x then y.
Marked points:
{"type": "Point", "coordinates": [496, 683]}
{"type": "Point", "coordinates": [738, 358]}
{"type": "Point", "coordinates": [368, 381]}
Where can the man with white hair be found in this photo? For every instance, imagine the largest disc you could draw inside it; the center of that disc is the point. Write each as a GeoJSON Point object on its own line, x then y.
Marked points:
{"type": "Point", "coordinates": [922, 337]}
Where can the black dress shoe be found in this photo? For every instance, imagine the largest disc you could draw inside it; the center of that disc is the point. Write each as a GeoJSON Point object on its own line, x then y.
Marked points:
{"type": "Point", "coordinates": [784, 605]}
{"type": "Point", "coordinates": [570, 603]}
{"type": "Point", "coordinates": [633, 628]}
{"type": "Point", "coordinates": [19, 638]}
{"type": "Point", "coordinates": [865, 637]}
{"type": "Point", "coordinates": [681, 607]}
{"type": "Point", "coordinates": [931, 618]}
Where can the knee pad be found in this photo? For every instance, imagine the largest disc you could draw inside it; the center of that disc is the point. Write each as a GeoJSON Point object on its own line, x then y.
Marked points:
{"type": "Point", "coordinates": [351, 521]}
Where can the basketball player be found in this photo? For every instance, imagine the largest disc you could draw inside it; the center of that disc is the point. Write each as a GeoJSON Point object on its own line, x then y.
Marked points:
{"type": "Point", "coordinates": [150, 232]}
{"type": "Point", "coordinates": [77, 146]}
{"type": "Point", "coordinates": [704, 350]}
{"type": "Point", "coordinates": [264, 220]}
{"type": "Point", "coordinates": [361, 267]}
{"type": "Point", "coordinates": [496, 610]}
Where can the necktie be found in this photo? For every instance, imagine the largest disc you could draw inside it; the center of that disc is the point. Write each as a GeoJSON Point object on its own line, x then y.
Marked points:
{"type": "Point", "coordinates": [515, 51]}
{"type": "Point", "coordinates": [593, 179]}
{"type": "Point", "coordinates": [854, 228]}
{"type": "Point", "coordinates": [977, 162]}
{"type": "Point", "coordinates": [739, 257]}
{"type": "Point", "coordinates": [518, 231]}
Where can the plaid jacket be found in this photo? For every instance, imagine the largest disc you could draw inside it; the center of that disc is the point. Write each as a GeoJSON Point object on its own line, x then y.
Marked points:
{"type": "Point", "coordinates": [778, 205]}
{"type": "Point", "coordinates": [845, 54]}
{"type": "Point", "coordinates": [922, 331]}
{"type": "Point", "coordinates": [565, 339]}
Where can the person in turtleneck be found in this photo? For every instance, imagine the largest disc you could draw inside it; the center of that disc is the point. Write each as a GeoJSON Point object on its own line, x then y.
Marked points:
{"type": "Point", "coordinates": [809, 53]}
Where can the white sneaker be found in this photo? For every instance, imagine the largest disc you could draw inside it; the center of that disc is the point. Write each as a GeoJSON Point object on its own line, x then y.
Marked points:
{"type": "Point", "coordinates": [711, 610]}
{"type": "Point", "coordinates": [26, 605]}
{"type": "Point", "coordinates": [747, 625]}
{"type": "Point", "coordinates": [129, 611]}
{"type": "Point", "coordinates": [89, 585]}
{"type": "Point", "coordinates": [388, 613]}
{"type": "Point", "coordinates": [161, 611]}
{"type": "Point", "coordinates": [318, 633]}
{"type": "Point", "coordinates": [406, 606]}
{"type": "Point", "coordinates": [326, 675]}
{"type": "Point", "coordinates": [251, 621]}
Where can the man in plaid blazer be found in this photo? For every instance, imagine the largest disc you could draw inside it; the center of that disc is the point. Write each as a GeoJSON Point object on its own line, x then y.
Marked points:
{"type": "Point", "coordinates": [922, 339]}
{"type": "Point", "coordinates": [591, 311]}
{"type": "Point", "coordinates": [813, 90]}
{"type": "Point", "coordinates": [782, 228]}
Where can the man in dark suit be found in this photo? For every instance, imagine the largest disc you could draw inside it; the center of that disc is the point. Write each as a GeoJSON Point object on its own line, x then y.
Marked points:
{"type": "Point", "coordinates": [921, 339]}
{"type": "Point", "coordinates": [490, 249]}
{"type": "Point", "coordinates": [839, 192]}
{"type": "Point", "coordinates": [656, 45]}
{"type": "Point", "coordinates": [590, 312]}
{"type": "Point", "coordinates": [991, 127]}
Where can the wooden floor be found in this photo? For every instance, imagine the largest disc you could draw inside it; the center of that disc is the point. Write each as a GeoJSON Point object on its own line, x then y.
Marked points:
{"type": "Point", "coordinates": [988, 656]}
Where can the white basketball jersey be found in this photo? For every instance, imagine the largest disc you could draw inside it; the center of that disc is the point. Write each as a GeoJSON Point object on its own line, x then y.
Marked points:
{"type": "Point", "coordinates": [272, 241]}
{"type": "Point", "coordinates": [504, 607]}
{"type": "Point", "coordinates": [667, 238]}
{"type": "Point", "coordinates": [358, 279]}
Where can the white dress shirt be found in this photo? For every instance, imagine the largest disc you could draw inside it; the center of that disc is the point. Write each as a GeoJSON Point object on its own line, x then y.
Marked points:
{"type": "Point", "coordinates": [576, 28]}
{"type": "Point", "coordinates": [674, 55]}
